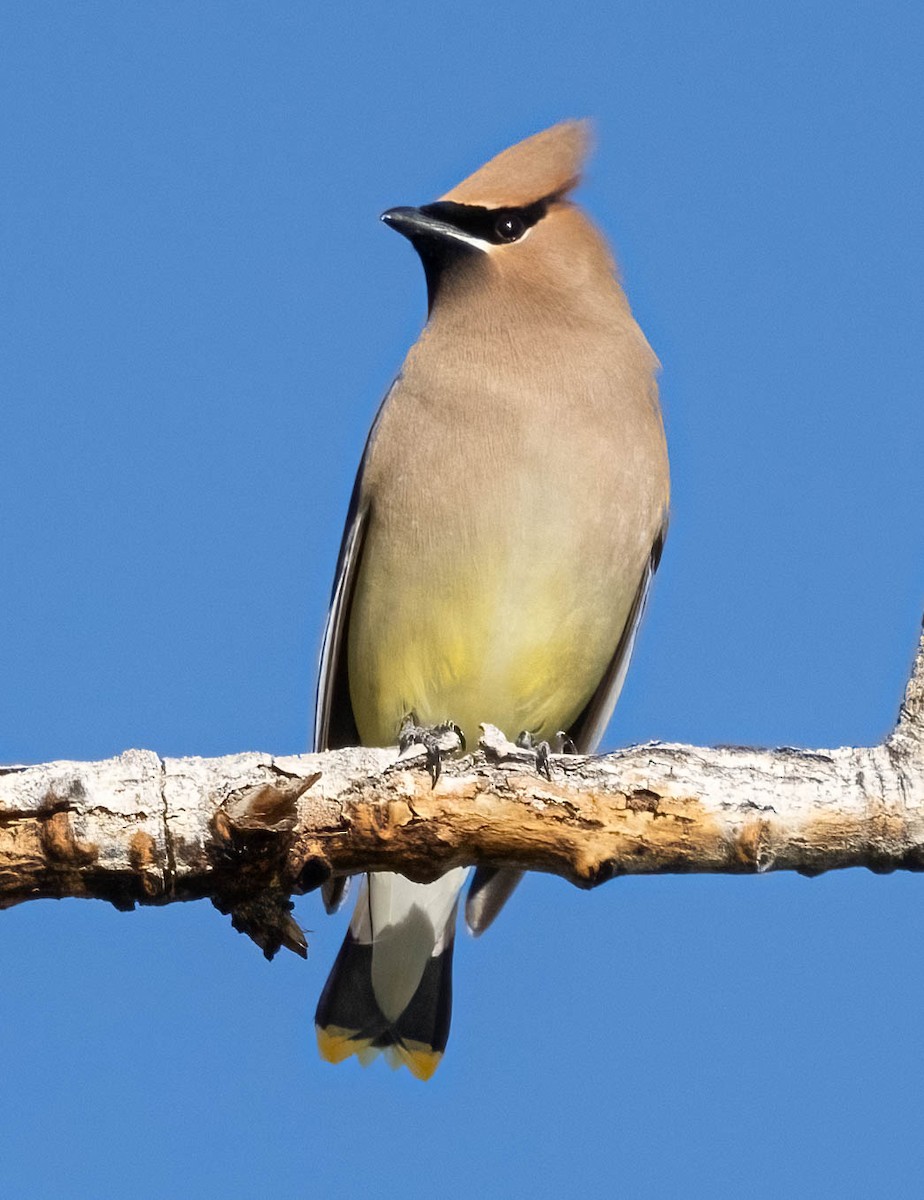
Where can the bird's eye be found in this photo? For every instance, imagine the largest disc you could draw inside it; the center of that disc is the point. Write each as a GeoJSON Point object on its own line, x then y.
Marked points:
{"type": "Point", "coordinates": [509, 226]}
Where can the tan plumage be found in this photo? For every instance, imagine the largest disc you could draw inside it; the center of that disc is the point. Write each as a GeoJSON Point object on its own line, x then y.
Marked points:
{"type": "Point", "coordinates": [509, 510]}
{"type": "Point", "coordinates": [547, 163]}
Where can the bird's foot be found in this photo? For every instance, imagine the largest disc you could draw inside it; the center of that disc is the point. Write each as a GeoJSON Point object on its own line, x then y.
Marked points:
{"type": "Point", "coordinates": [560, 744]}
{"type": "Point", "coordinates": [435, 740]}
{"type": "Point", "coordinates": [524, 750]}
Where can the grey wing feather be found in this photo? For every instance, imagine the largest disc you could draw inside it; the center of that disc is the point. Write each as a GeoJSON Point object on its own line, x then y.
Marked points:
{"type": "Point", "coordinates": [491, 886]}
{"type": "Point", "coordinates": [334, 891]}
{"type": "Point", "coordinates": [334, 724]}
{"type": "Point", "coordinates": [490, 889]}
{"type": "Point", "coordinates": [590, 726]}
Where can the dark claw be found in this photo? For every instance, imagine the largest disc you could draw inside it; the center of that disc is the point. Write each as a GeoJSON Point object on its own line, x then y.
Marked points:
{"type": "Point", "coordinates": [412, 734]}
{"type": "Point", "coordinates": [434, 759]}
{"type": "Point", "coordinates": [544, 760]}
{"type": "Point", "coordinates": [542, 751]}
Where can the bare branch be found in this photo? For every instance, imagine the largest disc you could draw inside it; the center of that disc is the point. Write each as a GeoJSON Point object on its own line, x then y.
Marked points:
{"type": "Point", "coordinates": [250, 830]}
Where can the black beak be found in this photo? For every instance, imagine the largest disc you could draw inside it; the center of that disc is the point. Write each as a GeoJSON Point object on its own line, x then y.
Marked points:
{"type": "Point", "coordinates": [440, 244]}
{"type": "Point", "coordinates": [415, 224]}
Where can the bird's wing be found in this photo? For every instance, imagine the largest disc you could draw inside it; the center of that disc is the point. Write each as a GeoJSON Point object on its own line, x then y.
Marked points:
{"type": "Point", "coordinates": [491, 886]}
{"type": "Point", "coordinates": [590, 726]}
{"type": "Point", "coordinates": [334, 724]}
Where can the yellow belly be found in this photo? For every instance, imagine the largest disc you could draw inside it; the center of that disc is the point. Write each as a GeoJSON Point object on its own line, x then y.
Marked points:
{"type": "Point", "coordinates": [521, 645]}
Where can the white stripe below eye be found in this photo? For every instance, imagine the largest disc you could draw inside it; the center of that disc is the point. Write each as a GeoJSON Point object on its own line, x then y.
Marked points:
{"type": "Point", "coordinates": [450, 231]}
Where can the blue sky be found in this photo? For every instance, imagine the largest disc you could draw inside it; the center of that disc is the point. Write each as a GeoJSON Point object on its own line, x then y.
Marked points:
{"type": "Point", "coordinates": [200, 314]}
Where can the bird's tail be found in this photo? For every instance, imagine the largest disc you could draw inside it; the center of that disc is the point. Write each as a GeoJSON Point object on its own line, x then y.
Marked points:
{"type": "Point", "coordinates": [390, 988]}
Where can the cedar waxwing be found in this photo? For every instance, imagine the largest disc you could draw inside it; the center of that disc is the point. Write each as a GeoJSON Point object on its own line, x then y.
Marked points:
{"type": "Point", "coordinates": [504, 528]}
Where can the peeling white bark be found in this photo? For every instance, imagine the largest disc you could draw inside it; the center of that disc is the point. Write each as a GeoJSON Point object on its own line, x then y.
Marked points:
{"type": "Point", "coordinates": [248, 830]}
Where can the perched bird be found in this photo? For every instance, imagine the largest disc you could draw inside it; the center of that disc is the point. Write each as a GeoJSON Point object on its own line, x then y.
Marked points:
{"type": "Point", "coordinates": [506, 521]}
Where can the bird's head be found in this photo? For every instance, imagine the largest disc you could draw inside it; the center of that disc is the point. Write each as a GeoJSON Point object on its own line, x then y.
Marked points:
{"type": "Point", "coordinates": [510, 226]}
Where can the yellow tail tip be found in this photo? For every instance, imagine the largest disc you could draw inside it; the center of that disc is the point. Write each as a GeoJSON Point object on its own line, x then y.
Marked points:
{"type": "Point", "coordinates": [336, 1045]}
{"type": "Point", "coordinates": [419, 1059]}
{"type": "Point", "coordinates": [423, 1063]}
